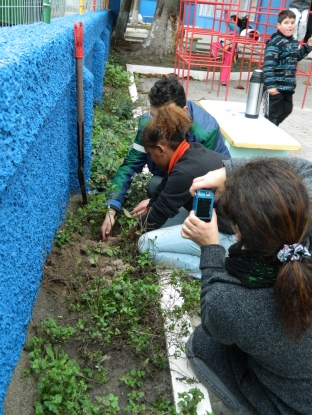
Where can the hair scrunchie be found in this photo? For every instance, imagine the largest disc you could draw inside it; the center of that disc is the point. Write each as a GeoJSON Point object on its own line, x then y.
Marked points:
{"type": "Point", "coordinates": [293, 252]}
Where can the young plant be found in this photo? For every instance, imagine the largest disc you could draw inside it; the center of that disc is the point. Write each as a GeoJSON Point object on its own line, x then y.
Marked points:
{"type": "Point", "coordinates": [133, 378]}
{"type": "Point", "coordinates": [135, 406]}
{"type": "Point", "coordinates": [189, 402]}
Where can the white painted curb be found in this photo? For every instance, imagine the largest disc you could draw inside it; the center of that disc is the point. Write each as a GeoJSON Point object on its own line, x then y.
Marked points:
{"type": "Point", "coordinates": [180, 371]}
{"type": "Point", "coordinates": [197, 75]}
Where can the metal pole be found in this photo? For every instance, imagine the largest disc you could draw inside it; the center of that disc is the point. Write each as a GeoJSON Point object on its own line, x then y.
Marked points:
{"type": "Point", "coordinates": [81, 7]}
{"type": "Point", "coordinates": [47, 11]}
{"type": "Point", "coordinates": [78, 35]}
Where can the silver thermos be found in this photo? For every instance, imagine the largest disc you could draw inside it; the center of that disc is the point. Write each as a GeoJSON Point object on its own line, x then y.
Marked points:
{"type": "Point", "coordinates": [254, 94]}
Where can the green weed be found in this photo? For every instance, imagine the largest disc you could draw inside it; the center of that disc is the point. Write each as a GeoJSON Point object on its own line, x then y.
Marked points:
{"type": "Point", "coordinates": [62, 384]}
{"type": "Point", "coordinates": [133, 378]}
{"type": "Point", "coordinates": [116, 76]}
{"type": "Point", "coordinates": [189, 402]}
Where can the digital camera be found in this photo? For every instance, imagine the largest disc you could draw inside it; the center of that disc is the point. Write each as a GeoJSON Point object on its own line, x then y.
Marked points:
{"type": "Point", "coordinates": [203, 204]}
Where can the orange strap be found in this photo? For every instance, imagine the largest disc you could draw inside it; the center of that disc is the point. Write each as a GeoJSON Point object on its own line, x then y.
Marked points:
{"type": "Point", "coordinates": [178, 154]}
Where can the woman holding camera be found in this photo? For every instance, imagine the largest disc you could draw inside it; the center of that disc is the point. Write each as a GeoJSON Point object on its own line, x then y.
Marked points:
{"type": "Point", "coordinates": [164, 140]}
{"type": "Point", "coordinates": [253, 347]}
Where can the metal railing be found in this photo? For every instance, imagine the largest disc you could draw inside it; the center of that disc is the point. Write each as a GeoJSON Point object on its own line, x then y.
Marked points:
{"type": "Point", "coordinates": [14, 12]}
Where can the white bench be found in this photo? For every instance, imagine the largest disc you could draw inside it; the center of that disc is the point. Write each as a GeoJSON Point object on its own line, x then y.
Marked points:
{"type": "Point", "coordinates": [248, 137]}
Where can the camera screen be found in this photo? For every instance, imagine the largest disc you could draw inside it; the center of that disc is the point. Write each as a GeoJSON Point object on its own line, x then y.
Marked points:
{"type": "Point", "coordinates": [203, 207]}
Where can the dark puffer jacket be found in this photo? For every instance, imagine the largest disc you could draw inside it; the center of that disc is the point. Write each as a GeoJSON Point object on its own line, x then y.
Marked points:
{"type": "Point", "coordinates": [280, 60]}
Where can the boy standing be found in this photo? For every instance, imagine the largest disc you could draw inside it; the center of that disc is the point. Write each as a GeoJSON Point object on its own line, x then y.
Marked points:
{"type": "Point", "coordinates": [280, 61]}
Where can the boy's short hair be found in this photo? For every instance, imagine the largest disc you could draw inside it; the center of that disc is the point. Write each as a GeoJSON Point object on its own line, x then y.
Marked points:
{"type": "Point", "coordinates": [284, 14]}
{"type": "Point", "coordinates": [167, 90]}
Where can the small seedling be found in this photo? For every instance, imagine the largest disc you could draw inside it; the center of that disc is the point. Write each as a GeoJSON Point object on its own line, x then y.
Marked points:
{"type": "Point", "coordinates": [134, 378]}
{"type": "Point", "coordinates": [189, 402]}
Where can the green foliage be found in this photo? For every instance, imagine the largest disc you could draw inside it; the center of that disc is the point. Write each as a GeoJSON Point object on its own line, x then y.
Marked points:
{"type": "Point", "coordinates": [62, 385]}
{"type": "Point", "coordinates": [63, 237]}
{"type": "Point", "coordinates": [143, 260]}
{"type": "Point", "coordinates": [116, 76]}
{"type": "Point", "coordinates": [55, 333]}
{"type": "Point", "coordinates": [135, 406]}
{"type": "Point", "coordinates": [137, 191]}
{"type": "Point", "coordinates": [109, 404]}
{"type": "Point", "coordinates": [112, 138]}
{"type": "Point", "coordinates": [161, 406]}
{"type": "Point", "coordinates": [110, 309]}
{"type": "Point", "coordinates": [189, 289]}
{"type": "Point", "coordinates": [133, 378]}
{"type": "Point", "coordinates": [72, 224]}
{"type": "Point", "coordinates": [189, 402]}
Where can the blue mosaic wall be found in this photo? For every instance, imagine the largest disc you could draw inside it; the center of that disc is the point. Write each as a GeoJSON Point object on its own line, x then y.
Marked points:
{"type": "Point", "coordinates": [38, 155]}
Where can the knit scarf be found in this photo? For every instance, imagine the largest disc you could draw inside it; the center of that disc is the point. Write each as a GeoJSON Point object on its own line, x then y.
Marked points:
{"type": "Point", "coordinates": [178, 154]}
{"type": "Point", "coordinates": [253, 272]}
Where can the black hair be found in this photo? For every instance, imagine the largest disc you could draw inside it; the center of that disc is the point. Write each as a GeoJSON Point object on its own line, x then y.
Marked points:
{"type": "Point", "coordinates": [167, 90]}
{"type": "Point", "coordinates": [239, 21]}
{"type": "Point", "coordinates": [284, 14]}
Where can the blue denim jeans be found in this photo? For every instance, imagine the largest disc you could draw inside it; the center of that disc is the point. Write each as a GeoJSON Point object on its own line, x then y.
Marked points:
{"type": "Point", "coordinates": [167, 247]}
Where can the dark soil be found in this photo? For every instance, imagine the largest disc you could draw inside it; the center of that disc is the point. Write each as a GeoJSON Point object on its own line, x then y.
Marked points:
{"type": "Point", "coordinates": [128, 52]}
{"type": "Point", "coordinates": [64, 264]}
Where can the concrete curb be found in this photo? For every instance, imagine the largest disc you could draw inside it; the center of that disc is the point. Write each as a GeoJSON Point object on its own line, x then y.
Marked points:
{"type": "Point", "coordinates": [195, 75]}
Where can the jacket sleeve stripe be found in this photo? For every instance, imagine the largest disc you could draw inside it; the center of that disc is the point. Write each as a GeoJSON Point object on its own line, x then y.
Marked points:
{"type": "Point", "coordinates": [138, 148]}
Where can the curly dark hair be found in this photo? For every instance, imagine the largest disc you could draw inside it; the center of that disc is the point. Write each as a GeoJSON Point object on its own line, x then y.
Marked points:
{"type": "Point", "coordinates": [169, 126]}
{"type": "Point", "coordinates": [167, 90]}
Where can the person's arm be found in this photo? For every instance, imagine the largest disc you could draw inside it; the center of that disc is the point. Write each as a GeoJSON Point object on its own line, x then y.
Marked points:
{"type": "Point", "coordinates": [271, 57]}
{"type": "Point", "coordinates": [133, 163]}
{"type": "Point", "coordinates": [206, 235]}
{"type": "Point", "coordinates": [304, 50]}
{"type": "Point", "coordinates": [220, 295]}
{"type": "Point", "coordinates": [171, 194]}
{"type": "Point", "coordinates": [215, 179]}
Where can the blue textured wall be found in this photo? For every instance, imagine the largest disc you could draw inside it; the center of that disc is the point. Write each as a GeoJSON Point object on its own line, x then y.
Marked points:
{"type": "Point", "coordinates": [38, 156]}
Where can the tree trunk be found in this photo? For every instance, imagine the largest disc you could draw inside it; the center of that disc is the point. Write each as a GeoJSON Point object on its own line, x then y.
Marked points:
{"type": "Point", "coordinates": [122, 20]}
{"type": "Point", "coordinates": [161, 39]}
{"type": "Point", "coordinates": [135, 12]}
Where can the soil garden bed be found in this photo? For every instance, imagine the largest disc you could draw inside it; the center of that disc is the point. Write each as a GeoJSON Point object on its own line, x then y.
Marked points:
{"type": "Point", "coordinates": [96, 342]}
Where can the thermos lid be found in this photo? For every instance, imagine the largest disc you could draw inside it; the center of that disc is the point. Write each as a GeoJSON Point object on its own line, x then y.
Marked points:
{"type": "Point", "coordinates": [257, 76]}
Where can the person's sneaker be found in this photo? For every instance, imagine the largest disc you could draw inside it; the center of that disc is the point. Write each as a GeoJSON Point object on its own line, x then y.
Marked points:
{"type": "Point", "coordinates": [223, 84]}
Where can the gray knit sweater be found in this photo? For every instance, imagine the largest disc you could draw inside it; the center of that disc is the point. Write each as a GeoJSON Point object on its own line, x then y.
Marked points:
{"type": "Point", "coordinates": [272, 372]}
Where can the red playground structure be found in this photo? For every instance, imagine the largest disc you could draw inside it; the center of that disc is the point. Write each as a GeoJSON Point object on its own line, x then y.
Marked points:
{"type": "Point", "coordinates": [235, 33]}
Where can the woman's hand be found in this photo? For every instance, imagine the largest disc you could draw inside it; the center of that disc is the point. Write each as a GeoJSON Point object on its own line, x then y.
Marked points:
{"type": "Point", "coordinates": [107, 226]}
{"type": "Point", "coordinates": [200, 232]}
{"type": "Point", "coordinates": [213, 180]}
{"type": "Point", "coordinates": [141, 208]}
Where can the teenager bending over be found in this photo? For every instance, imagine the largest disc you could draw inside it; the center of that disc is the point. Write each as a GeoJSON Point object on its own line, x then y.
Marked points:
{"type": "Point", "coordinates": [253, 347]}
{"type": "Point", "coordinates": [204, 130]}
{"type": "Point", "coordinates": [164, 141]}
